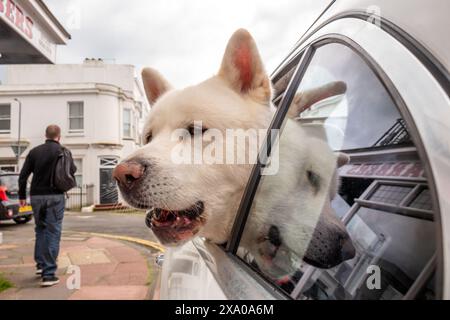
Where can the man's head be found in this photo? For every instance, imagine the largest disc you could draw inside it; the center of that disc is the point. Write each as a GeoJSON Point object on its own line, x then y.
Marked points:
{"type": "Point", "coordinates": [53, 132]}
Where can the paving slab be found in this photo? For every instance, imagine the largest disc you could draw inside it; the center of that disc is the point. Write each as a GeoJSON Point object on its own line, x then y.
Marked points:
{"type": "Point", "coordinates": [64, 262]}
{"type": "Point", "coordinates": [123, 279]}
{"type": "Point", "coordinates": [126, 254]}
{"type": "Point", "coordinates": [7, 247]}
{"type": "Point", "coordinates": [96, 243]}
{"type": "Point", "coordinates": [90, 256]}
{"type": "Point", "coordinates": [110, 293]}
{"type": "Point", "coordinates": [132, 267]}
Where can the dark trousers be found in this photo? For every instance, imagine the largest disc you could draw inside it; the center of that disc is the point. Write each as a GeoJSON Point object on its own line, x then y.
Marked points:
{"type": "Point", "coordinates": [48, 216]}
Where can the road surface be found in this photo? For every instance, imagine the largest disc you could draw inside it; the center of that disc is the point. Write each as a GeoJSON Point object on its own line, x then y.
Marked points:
{"type": "Point", "coordinates": [129, 225]}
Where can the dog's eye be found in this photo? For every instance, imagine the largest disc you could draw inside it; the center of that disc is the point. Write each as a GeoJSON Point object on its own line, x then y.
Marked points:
{"type": "Point", "coordinates": [314, 179]}
{"type": "Point", "coordinates": [148, 138]}
{"type": "Point", "coordinates": [192, 129]}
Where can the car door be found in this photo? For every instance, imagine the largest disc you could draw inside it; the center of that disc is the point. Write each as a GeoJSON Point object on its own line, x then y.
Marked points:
{"type": "Point", "coordinates": [390, 197]}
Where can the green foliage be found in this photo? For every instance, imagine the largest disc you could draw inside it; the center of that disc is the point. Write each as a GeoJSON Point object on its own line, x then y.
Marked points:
{"type": "Point", "coordinates": [4, 283]}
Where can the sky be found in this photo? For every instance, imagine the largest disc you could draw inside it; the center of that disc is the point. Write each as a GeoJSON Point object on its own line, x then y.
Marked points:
{"type": "Point", "coordinates": [183, 39]}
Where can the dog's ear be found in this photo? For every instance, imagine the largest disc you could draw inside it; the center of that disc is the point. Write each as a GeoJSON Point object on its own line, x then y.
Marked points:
{"type": "Point", "coordinates": [304, 100]}
{"type": "Point", "coordinates": [243, 69]}
{"type": "Point", "coordinates": [155, 85]}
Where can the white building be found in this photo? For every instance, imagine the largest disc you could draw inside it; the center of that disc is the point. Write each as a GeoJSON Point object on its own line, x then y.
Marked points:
{"type": "Point", "coordinates": [98, 106]}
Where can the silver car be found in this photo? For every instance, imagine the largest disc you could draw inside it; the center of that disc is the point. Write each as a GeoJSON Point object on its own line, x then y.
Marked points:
{"type": "Point", "coordinates": [394, 123]}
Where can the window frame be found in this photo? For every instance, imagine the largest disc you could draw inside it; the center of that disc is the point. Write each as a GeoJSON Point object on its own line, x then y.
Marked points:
{"type": "Point", "coordinates": [306, 54]}
{"type": "Point", "coordinates": [69, 117]}
{"type": "Point", "coordinates": [3, 119]}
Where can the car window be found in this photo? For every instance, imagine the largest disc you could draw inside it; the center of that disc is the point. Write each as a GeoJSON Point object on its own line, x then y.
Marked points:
{"type": "Point", "coordinates": [349, 213]}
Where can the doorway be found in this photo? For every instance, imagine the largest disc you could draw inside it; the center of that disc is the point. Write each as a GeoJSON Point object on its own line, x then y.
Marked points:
{"type": "Point", "coordinates": [108, 186]}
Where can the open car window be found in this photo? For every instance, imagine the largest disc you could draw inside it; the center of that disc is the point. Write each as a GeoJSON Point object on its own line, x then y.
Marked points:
{"type": "Point", "coordinates": [349, 213]}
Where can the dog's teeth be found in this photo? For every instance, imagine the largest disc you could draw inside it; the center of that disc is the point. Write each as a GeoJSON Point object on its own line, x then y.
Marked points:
{"type": "Point", "coordinates": [157, 214]}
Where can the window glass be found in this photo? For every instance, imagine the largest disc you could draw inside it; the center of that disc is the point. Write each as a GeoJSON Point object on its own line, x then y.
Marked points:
{"type": "Point", "coordinates": [127, 123]}
{"type": "Point", "coordinates": [391, 194]}
{"type": "Point", "coordinates": [348, 213]}
{"type": "Point", "coordinates": [109, 162]}
{"type": "Point", "coordinates": [76, 116]}
{"type": "Point", "coordinates": [5, 118]}
{"type": "Point", "coordinates": [76, 110]}
{"type": "Point", "coordinates": [423, 201]}
{"type": "Point", "coordinates": [374, 120]}
{"type": "Point", "coordinates": [79, 173]}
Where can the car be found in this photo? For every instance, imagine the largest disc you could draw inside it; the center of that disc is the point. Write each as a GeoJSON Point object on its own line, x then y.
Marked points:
{"type": "Point", "coordinates": [394, 124]}
{"type": "Point", "coordinates": [9, 197]}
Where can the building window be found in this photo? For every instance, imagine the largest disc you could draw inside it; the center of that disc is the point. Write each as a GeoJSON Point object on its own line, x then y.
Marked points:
{"type": "Point", "coordinates": [8, 168]}
{"type": "Point", "coordinates": [79, 173]}
{"type": "Point", "coordinates": [136, 127]}
{"type": "Point", "coordinates": [109, 162]}
{"type": "Point", "coordinates": [76, 117]}
{"type": "Point", "coordinates": [5, 118]}
{"type": "Point", "coordinates": [127, 123]}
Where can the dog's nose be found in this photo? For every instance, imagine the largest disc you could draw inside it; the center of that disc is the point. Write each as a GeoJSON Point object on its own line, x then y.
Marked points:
{"type": "Point", "coordinates": [348, 250]}
{"type": "Point", "coordinates": [128, 172]}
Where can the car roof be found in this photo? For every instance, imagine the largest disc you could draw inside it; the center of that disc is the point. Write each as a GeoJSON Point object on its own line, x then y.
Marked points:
{"type": "Point", "coordinates": [425, 21]}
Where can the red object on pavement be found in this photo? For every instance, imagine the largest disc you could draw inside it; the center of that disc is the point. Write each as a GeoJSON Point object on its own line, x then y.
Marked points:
{"type": "Point", "coordinates": [3, 196]}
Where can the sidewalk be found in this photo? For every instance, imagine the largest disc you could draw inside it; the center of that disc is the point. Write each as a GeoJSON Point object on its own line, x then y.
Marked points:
{"type": "Point", "coordinates": [109, 269]}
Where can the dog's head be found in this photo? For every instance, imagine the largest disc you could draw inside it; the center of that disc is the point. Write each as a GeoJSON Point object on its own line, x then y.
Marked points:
{"type": "Point", "coordinates": [198, 199]}
{"type": "Point", "coordinates": [191, 199]}
{"type": "Point", "coordinates": [296, 222]}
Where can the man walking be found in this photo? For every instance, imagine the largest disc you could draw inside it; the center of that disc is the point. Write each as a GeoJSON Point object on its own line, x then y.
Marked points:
{"type": "Point", "coordinates": [47, 201]}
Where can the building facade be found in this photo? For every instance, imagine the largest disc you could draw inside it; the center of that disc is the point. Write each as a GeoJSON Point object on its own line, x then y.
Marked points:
{"type": "Point", "coordinates": [98, 106]}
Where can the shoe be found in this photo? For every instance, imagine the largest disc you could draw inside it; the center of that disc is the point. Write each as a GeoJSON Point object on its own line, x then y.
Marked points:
{"type": "Point", "coordinates": [39, 272]}
{"type": "Point", "coordinates": [49, 281]}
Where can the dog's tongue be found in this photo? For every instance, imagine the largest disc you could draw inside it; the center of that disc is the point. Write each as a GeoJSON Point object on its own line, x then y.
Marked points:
{"type": "Point", "coordinates": [170, 219]}
{"type": "Point", "coordinates": [163, 215]}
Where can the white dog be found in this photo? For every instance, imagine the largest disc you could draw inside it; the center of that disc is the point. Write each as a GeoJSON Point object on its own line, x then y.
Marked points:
{"type": "Point", "coordinates": [291, 215]}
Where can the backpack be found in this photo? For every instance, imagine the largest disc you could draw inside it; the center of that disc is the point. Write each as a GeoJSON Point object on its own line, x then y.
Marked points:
{"type": "Point", "coordinates": [63, 179]}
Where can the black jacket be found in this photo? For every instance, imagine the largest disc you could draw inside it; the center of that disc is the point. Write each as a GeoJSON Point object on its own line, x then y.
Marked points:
{"type": "Point", "coordinates": [40, 162]}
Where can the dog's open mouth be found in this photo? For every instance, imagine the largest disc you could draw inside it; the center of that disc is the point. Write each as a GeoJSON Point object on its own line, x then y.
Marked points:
{"type": "Point", "coordinates": [172, 226]}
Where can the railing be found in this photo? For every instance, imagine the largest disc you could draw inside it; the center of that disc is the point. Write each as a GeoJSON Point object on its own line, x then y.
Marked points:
{"type": "Point", "coordinates": [80, 197]}
{"type": "Point", "coordinates": [397, 134]}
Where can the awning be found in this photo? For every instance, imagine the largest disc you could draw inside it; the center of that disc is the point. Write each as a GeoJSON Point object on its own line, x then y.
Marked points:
{"type": "Point", "coordinates": [29, 33]}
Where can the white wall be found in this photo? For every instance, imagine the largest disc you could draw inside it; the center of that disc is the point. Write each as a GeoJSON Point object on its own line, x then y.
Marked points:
{"type": "Point", "coordinates": [47, 103]}
{"type": "Point", "coordinates": [121, 76]}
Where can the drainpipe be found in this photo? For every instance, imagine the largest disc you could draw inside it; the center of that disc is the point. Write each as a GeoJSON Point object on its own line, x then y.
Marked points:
{"type": "Point", "coordinates": [20, 128]}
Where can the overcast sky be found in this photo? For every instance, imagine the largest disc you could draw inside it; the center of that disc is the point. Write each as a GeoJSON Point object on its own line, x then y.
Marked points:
{"type": "Point", "coordinates": [183, 39]}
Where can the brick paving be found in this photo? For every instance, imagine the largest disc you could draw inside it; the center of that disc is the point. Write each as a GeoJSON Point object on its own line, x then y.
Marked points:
{"type": "Point", "coordinates": [109, 270]}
